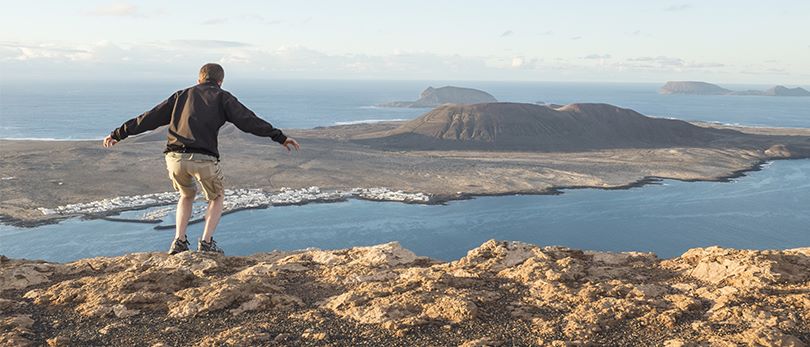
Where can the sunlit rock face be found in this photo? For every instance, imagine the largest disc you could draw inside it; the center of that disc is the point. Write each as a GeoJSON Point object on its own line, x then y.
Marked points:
{"type": "Point", "coordinates": [500, 290]}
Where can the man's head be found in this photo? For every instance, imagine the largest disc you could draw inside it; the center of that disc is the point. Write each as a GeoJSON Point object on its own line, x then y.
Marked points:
{"type": "Point", "coordinates": [211, 73]}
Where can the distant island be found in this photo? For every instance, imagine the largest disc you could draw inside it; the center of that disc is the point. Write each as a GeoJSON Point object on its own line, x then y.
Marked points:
{"type": "Point", "coordinates": [693, 87]}
{"type": "Point", "coordinates": [432, 97]}
{"type": "Point", "coordinates": [704, 88]}
{"type": "Point", "coordinates": [506, 126]}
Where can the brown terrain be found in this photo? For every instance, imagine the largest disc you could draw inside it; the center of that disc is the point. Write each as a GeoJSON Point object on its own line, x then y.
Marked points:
{"type": "Point", "coordinates": [502, 293]}
{"type": "Point", "coordinates": [453, 151]}
{"type": "Point", "coordinates": [536, 128]}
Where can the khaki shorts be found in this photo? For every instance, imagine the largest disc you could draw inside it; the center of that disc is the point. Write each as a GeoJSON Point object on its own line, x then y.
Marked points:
{"type": "Point", "coordinates": [184, 168]}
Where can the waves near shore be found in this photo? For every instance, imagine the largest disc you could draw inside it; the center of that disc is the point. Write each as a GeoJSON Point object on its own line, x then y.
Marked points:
{"type": "Point", "coordinates": [500, 293]}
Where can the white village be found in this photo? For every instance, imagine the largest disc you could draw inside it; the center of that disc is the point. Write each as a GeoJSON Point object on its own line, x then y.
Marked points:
{"type": "Point", "coordinates": [235, 199]}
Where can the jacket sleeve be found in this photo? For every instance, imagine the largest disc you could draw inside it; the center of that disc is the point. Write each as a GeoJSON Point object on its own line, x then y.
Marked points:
{"type": "Point", "coordinates": [249, 122]}
{"type": "Point", "coordinates": [158, 116]}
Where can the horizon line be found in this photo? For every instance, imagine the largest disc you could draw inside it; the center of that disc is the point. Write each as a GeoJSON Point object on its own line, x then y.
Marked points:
{"type": "Point", "coordinates": [192, 81]}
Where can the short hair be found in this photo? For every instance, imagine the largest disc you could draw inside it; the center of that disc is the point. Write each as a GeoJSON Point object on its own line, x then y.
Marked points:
{"type": "Point", "coordinates": [212, 72]}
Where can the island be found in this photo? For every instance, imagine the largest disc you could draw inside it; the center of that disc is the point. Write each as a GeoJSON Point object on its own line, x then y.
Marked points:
{"type": "Point", "coordinates": [784, 91]}
{"type": "Point", "coordinates": [450, 152]}
{"type": "Point", "coordinates": [537, 128]}
{"type": "Point", "coordinates": [502, 293]}
{"type": "Point", "coordinates": [432, 97]}
{"type": "Point", "coordinates": [703, 88]}
{"type": "Point", "coordinates": [693, 88]}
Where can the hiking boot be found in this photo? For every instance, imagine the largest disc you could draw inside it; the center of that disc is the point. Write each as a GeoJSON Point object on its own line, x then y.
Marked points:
{"type": "Point", "coordinates": [178, 246]}
{"type": "Point", "coordinates": [203, 246]}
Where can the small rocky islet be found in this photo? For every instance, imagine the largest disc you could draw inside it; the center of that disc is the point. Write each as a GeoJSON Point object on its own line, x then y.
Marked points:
{"type": "Point", "coordinates": [502, 293]}
{"type": "Point", "coordinates": [432, 97]}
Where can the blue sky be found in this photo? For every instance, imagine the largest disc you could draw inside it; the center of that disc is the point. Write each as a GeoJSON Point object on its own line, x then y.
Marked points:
{"type": "Point", "coordinates": [624, 41]}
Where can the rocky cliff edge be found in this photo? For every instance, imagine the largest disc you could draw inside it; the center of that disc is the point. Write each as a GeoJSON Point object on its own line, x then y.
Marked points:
{"type": "Point", "coordinates": [501, 293]}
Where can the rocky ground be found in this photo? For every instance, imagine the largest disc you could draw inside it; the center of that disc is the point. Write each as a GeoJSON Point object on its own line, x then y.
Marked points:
{"type": "Point", "coordinates": [501, 293]}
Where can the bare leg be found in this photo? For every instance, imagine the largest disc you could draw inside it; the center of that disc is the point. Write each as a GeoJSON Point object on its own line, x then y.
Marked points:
{"type": "Point", "coordinates": [183, 214]}
{"type": "Point", "coordinates": [212, 217]}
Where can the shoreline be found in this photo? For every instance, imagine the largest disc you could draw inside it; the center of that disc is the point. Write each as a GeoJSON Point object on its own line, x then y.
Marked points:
{"type": "Point", "coordinates": [648, 180]}
{"type": "Point", "coordinates": [698, 122]}
{"type": "Point", "coordinates": [47, 175]}
{"type": "Point", "coordinates": [434, 199]}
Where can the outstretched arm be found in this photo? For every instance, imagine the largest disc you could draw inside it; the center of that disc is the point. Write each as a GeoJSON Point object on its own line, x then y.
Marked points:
{"type": "Point", "coordinates": [158, 116]}
{"type": "Point", "coordinates": [249, 122]}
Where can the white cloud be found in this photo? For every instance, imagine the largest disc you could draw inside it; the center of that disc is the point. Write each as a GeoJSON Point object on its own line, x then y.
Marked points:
{"type": "Point", "coordinates": [524, 63]}
{"type": "Point", "coordinates": [235, 58]}
{"type": "Point", "coordinates": [659, 60]}
{"type": "Point", "coordinates": [507, 33]}
{"type": "Point", "coordinates": [665, 63]}
{"type": "Point", "coordinates": [119, 9]}
{"type": "Point", "coordinates": [215, 44]}
{"type": "Point", "coordinates": [261, 19]}
{"type": "Point", "coordinates": [179, 59]}
{"type": "Point", "coordinates": [254, 18]}
{"type": "Point", "coordinates": [214, 21]}
{"type": "Point", "coordinates": [171, 59]}
{"type": "Point", "coordinates": [597, 56]}
{"type": "Point", "coordinates": [678, 7]}
{"type": "Point", "coordinates": [768, 72]}
{"type": "Point", "coordinates": [45, 51]}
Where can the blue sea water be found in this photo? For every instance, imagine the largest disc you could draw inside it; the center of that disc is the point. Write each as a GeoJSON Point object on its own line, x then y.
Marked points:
{"type": "Point", "coordinates": [766, 209]}
{"type": "Point", "coordinates": [89, 110]}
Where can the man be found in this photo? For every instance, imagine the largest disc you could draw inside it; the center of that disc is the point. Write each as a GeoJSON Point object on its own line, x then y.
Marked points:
{"type": "Point", "coordinates": [194, 116]}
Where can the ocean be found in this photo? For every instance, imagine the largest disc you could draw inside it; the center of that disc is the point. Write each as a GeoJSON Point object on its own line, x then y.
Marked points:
{"type": "Point", "coordinates": [89, 110]}
{"type": "Point", "coordinates": [764, 209]}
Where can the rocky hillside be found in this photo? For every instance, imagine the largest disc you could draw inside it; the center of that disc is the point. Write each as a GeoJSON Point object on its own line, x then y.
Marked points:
{"type": "Point", "coordinates": [432, 97]}
{"type": "Point", "coordinates": [501, 293]}
{"type": "Point", "coordinates": [530, 127]}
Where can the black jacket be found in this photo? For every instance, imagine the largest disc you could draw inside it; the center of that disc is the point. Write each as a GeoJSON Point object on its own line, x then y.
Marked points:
{"type": "Point", "coordinates": [194, 116]}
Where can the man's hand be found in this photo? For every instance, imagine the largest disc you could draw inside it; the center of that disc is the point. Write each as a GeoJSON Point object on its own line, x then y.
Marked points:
{"type": "Point", "coordinates": [290, 143]}
{"type": "Point", "coordinates": [109, 141]}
